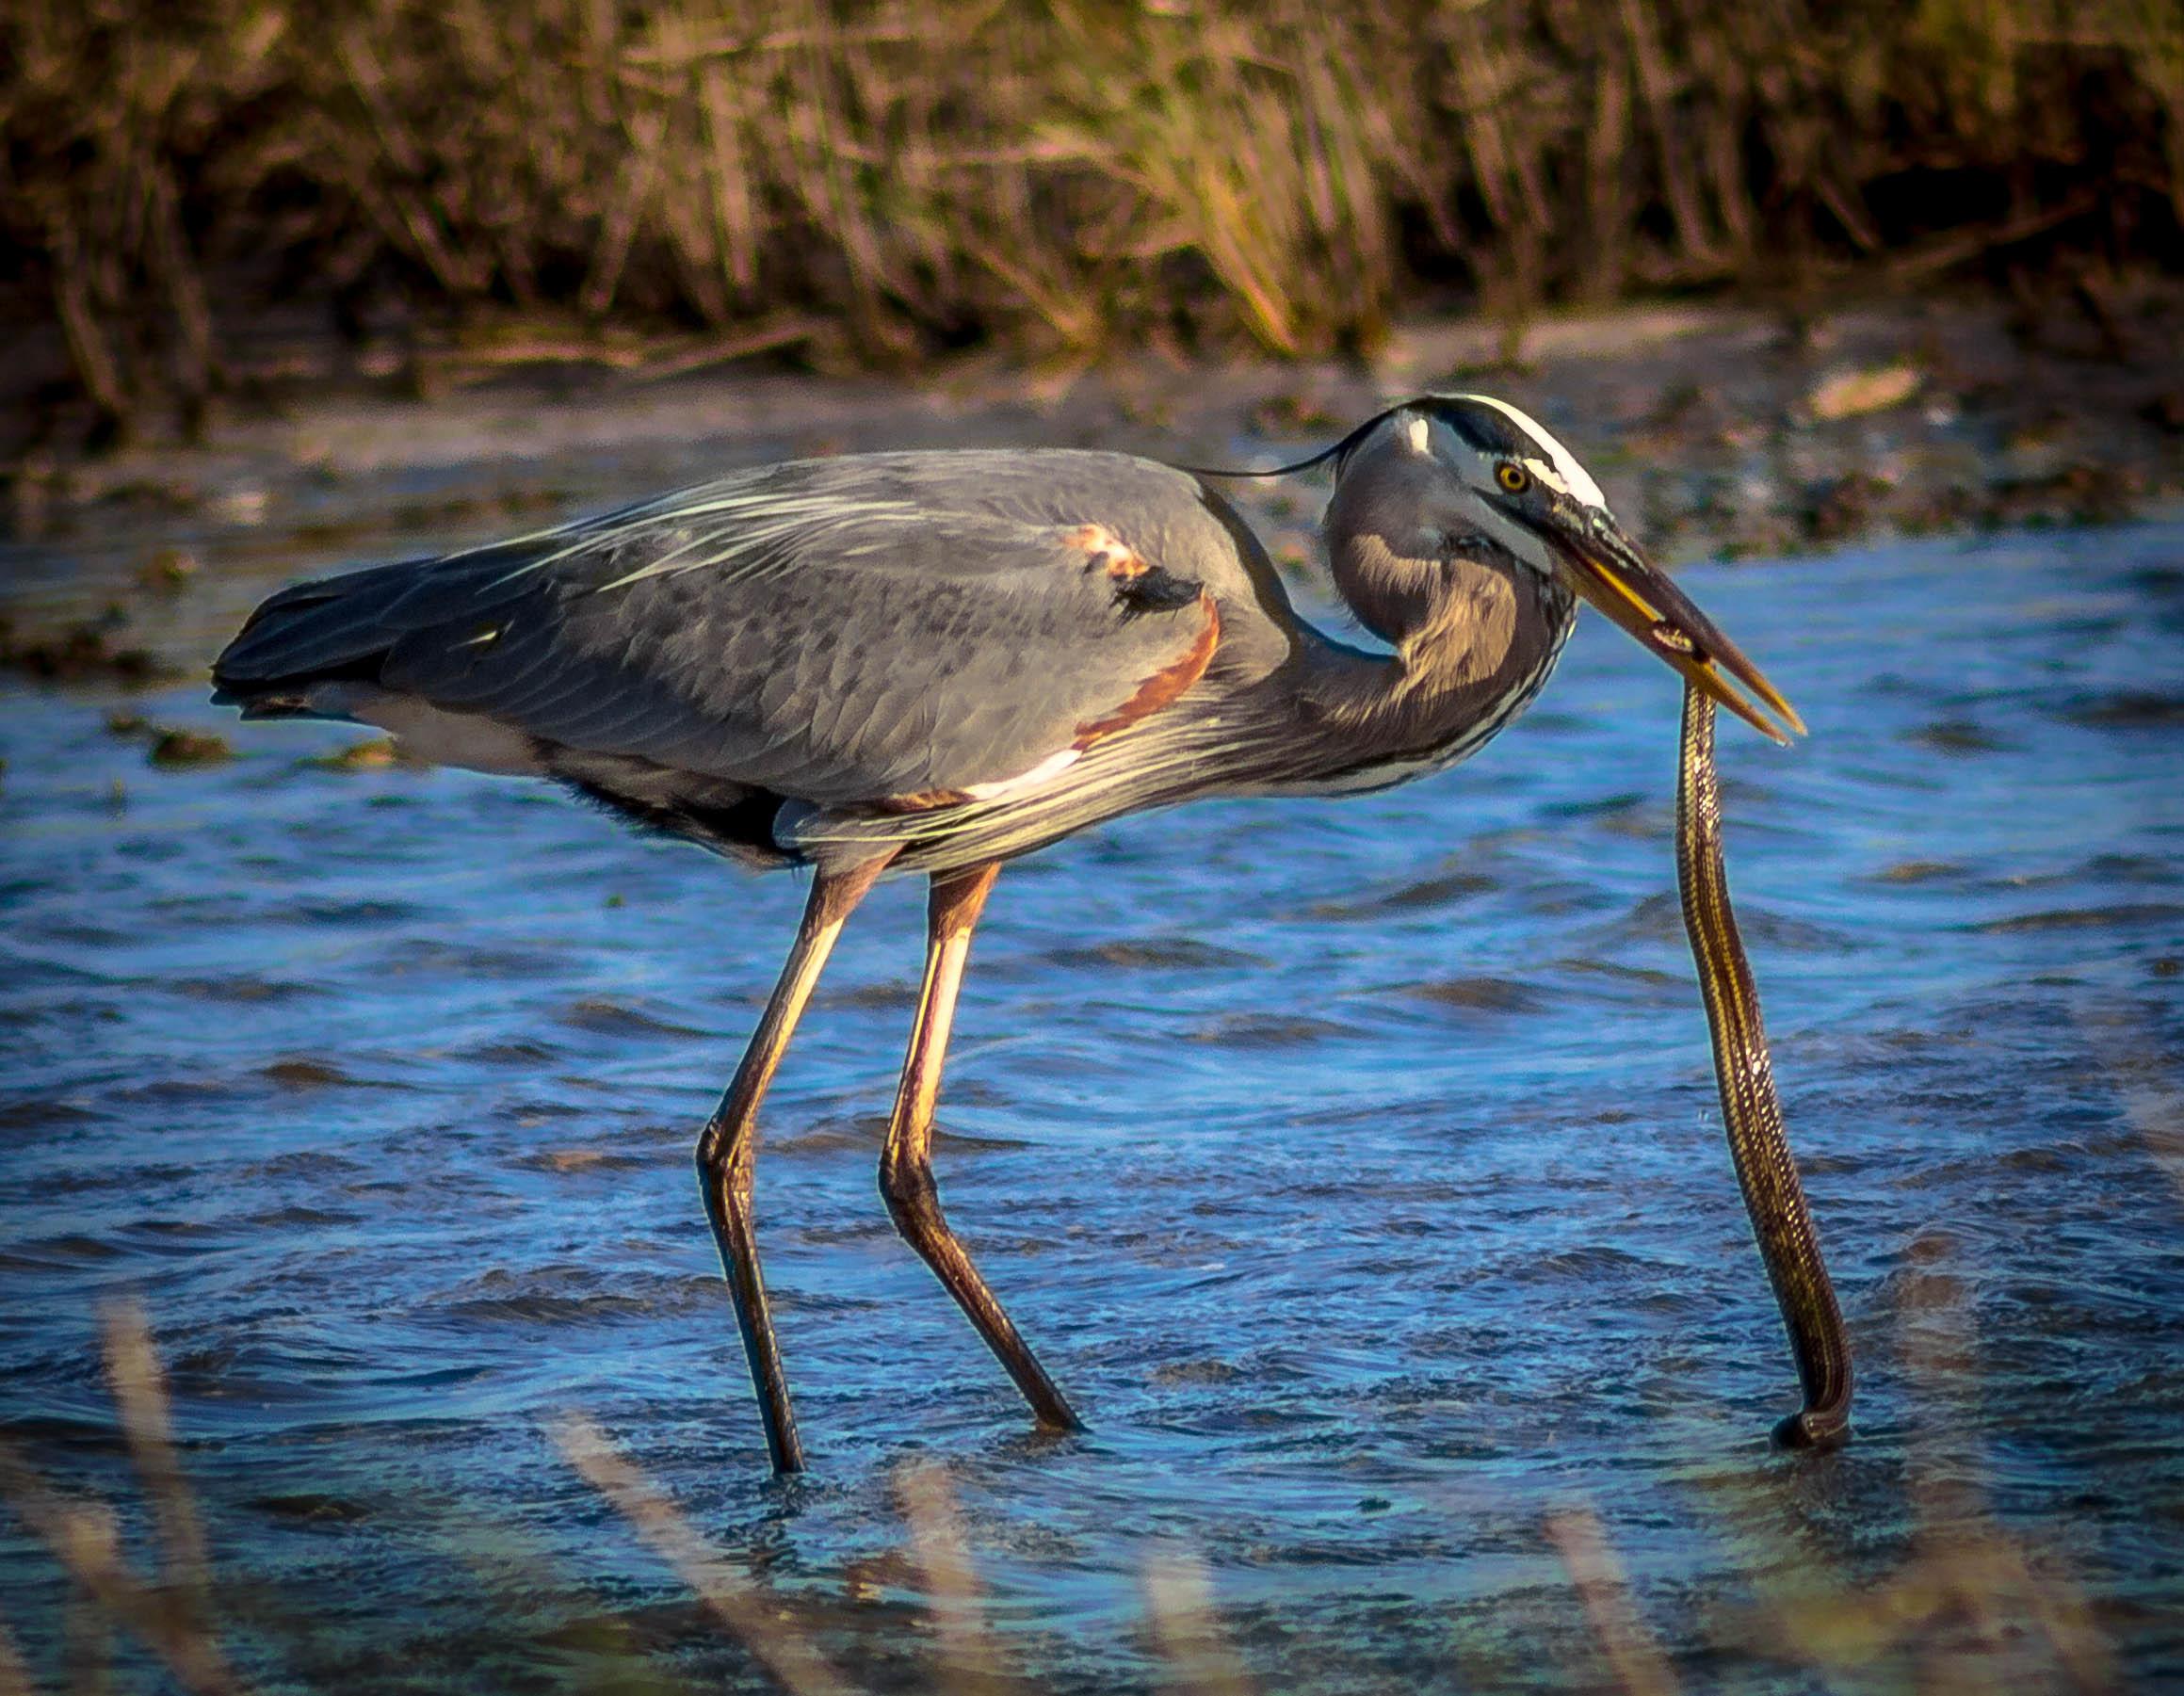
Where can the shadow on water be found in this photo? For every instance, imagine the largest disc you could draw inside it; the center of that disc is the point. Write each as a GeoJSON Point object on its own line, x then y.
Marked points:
{"type": "Point", "coordinates": [1355, 1165]}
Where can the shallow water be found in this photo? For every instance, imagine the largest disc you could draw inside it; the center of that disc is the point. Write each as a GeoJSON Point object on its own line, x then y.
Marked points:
{"type": "Point", "coordinates": [1355, 1166]}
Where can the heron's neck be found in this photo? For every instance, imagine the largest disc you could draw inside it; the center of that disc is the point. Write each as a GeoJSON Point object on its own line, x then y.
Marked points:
{"type": "Point", "coordinates": [1473, 662]}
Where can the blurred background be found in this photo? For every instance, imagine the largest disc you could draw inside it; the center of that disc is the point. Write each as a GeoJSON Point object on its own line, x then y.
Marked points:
{"type": "Point", "coordinates": [191, 188]}
{"type": "Point", "coordinates": [1358, 1165]}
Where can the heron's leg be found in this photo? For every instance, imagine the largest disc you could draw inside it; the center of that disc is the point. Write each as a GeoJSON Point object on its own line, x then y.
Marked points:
{"type": "Point", "coordinates": [727, 1145]}
{"type": "Point", "coordinates": [906, 1163]}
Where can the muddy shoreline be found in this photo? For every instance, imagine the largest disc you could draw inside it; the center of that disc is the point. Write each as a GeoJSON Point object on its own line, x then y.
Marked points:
{"type": "Point", "coordinates": [1718, 432]}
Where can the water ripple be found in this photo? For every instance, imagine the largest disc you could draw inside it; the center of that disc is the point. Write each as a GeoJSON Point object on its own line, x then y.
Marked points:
{"type": "Point", "coordinates": [1357, 1167]}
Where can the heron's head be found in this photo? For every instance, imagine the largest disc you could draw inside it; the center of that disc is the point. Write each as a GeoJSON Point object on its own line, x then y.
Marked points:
{"type": "Point", "coordinates": [1467, 477]}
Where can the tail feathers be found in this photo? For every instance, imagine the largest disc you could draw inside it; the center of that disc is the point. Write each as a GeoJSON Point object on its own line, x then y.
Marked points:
{"type": "Point", "coordinates": [300, 634]}
{"type": "Point", "coordinates": [339, 629]}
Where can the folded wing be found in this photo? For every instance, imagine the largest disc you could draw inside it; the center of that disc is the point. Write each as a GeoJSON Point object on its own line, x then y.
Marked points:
{"type": "Point", "coordinates": [886, 629]}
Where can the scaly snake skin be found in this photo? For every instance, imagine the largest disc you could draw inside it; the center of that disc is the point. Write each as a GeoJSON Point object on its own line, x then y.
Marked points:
{"type": "Point", "coordinates": [1751, 1110]}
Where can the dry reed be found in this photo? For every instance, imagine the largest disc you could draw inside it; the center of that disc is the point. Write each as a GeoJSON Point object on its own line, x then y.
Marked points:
{"type": "Point", "coordinates": [1971, 1607]}
{"type": "Point", "coordinates": [879, 178]}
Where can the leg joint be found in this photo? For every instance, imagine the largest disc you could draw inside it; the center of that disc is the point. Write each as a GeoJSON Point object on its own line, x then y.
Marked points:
{"type": "Point", "coordinates": [909, 1189]}
{"type": "Point", "coordinates": [723, 1161]}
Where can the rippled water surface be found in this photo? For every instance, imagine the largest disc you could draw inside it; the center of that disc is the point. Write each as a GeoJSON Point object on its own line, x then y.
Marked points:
{"type": "Point", "coordinates": [1355, 1166]}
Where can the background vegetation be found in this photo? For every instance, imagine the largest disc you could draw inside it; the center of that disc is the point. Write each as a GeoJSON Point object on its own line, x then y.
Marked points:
{"type": "Point", "coordinates": [880, 180]}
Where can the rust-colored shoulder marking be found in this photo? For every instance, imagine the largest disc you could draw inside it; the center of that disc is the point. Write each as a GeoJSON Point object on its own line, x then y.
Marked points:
{"type": "Point", "coordinates": [1110, 552]}
{"type": "Point", "coordinates": [1164, 686]}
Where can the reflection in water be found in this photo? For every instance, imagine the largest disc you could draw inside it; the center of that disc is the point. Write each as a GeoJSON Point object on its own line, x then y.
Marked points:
{"type": "Point", "coordinates": [1355, 1166]}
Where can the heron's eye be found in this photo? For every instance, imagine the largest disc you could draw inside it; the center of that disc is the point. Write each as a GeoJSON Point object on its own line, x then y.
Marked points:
{"type": "Point", "coordinates": [1513, 477]}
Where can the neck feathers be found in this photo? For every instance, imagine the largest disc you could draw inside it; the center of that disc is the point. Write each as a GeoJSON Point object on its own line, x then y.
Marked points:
{"type": "Point", "coordinates": [1489, 638]}
{"type": "Point", "coordinates": [1472, 625]}
{"type": "Point", "coordinates": [1460, 677]}
{"type": "Point", "coordinates": [1489, 630]}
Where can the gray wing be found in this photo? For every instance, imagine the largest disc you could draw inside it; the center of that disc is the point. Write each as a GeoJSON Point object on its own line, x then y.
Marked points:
{"type": "Point", "coordinates": [842, 631]}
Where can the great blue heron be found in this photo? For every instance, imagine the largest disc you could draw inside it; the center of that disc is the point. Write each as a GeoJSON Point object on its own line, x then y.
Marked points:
{"type": "Point", "coordinates": [935, 662]}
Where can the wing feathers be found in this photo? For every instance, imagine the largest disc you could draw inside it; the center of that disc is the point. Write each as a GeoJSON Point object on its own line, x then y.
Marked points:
{"type": "Point", "coordinates": [838, 631]}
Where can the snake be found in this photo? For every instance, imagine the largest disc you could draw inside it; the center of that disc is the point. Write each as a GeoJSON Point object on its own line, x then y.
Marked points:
{"type": "Point", "coordinates": [1751, 1106]}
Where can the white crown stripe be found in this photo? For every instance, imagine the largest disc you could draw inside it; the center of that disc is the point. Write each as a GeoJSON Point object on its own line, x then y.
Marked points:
{"type": "Point", "coordinates": [1574, 476]}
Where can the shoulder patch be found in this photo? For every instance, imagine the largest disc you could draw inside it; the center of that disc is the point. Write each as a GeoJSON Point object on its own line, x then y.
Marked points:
{"type": "Point", "coordinates": [1166, 684]}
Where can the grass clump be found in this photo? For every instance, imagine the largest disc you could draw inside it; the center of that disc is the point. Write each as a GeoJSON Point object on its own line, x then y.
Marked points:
{"type": "Point", "coordinates": [890, 179]}
{"type": "Point", "coordinates": [154, 1605]}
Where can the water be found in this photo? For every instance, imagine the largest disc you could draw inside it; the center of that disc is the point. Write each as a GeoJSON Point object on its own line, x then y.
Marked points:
{"type": "Point", "coordinates": [1354, 1167]}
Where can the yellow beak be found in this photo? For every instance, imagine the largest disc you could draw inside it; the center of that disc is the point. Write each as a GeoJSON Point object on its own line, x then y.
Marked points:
{"type": "Point", "coordinates": [1605, 567]}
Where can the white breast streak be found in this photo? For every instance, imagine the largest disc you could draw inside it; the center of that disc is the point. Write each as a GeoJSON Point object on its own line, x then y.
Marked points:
{"type": "Point", "coordinates": [1565, 474]}
{"type": "Point", "coordinates": [1053, 765]}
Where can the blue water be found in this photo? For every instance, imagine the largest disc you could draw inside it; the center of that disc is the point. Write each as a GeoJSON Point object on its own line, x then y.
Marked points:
{"type": "Point", "coordinates": [1355, 1166]}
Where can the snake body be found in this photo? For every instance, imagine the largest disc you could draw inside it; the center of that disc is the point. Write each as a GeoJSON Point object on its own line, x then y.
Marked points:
{"type": "Point", "coordinates": [1751, 1110]}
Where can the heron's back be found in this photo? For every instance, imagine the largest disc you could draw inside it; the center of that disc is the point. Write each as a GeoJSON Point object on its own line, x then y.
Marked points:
{"type": "Point", "coordinates": [886, 632]}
